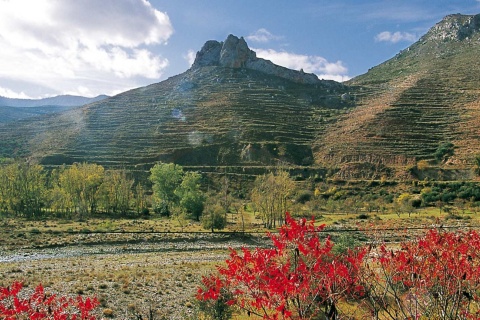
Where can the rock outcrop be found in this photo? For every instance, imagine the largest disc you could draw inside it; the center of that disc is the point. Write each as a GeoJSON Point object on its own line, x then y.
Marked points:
{"type": "Point", "coordinates": [454, 27]}
{"type": "Point", "coordinates": [235, 53]}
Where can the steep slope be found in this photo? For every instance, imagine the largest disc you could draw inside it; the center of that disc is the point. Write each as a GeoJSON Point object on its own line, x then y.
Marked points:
{"type": "Point", "coordinates": [427, 95]}
{"type": "Point", "coordinates": [11, 114]}
{"type": "Point", "coordinates": [229, 108]}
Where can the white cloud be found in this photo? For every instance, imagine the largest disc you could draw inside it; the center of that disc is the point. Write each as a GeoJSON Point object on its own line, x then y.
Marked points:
{"type": "Point", "coordinates": [387, 36]}
{"type": "Point", "coordinates": [81, 46]}
{"type": "Point", "coordinates": [310, 64]}
{"type": "Point", "coordinates": [5, 92]}
{"type": "Point", "coordinates": [190, 56]}
{"type": "Point", "coordinates": [262, 35]}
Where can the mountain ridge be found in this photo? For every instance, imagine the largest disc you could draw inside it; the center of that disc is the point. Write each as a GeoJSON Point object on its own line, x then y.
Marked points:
{"type": "Point", "coordinates": [12, 109]}
{"type": "Point", "coordinates": [226, 110]}
{"type": "Point", "coordinates": [60, 100]}
{"type": "Point", "coordinates": [409, 105]}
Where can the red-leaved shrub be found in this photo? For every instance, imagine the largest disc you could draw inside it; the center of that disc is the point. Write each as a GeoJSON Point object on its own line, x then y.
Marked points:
{"type": "Point", "coordinates": [40, 306]}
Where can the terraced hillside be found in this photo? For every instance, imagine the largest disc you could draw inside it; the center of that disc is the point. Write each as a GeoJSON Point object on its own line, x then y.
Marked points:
{"type": "Point", "coordinates": [209, 115]}
{"type": "Point", "coordinates": [232, 108]}
{"type": "Point", "coordinates": [427, 95]}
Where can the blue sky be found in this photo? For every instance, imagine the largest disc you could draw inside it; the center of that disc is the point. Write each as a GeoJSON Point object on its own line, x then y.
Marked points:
{"type": "Point", "coordinates": [90, 47]}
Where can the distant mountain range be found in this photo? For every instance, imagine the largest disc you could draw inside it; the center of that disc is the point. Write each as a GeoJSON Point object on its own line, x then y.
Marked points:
{"type": "Point", "coordinates": [62, 100]}
{"type": "Point", "coordinates": [19, 109]}
{"type": "Point", "coordinates": [232, 108]}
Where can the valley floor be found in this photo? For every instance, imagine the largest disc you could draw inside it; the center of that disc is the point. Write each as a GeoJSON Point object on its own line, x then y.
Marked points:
{"type": "Point", "coordinates": [133, 271]}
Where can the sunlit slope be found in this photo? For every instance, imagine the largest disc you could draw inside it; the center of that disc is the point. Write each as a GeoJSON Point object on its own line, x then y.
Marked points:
{"type": "Point", "coordinates": [426, 95]}
{"type": "Point", "coordinates": [208, 115]}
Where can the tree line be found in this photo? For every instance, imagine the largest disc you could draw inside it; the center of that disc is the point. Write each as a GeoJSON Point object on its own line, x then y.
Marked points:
{"type": "Point", "coordinates": [28, 190]}
{"type": "Point", "coordinates": [82, 190]}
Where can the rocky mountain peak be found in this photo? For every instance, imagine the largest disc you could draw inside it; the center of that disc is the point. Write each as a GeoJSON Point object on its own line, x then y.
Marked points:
{"type": "Point", "coordinates": [235, 53]}
{"type": "Point", "coordinates": [456, 27]}
{"type": "Point", "coordinates": [232, 53]}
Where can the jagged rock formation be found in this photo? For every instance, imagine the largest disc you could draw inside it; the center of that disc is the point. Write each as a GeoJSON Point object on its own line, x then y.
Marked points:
{"type": "Point", "coordinates": [454, 27]}
{"type": "Point", "coordinates": [234, 53]}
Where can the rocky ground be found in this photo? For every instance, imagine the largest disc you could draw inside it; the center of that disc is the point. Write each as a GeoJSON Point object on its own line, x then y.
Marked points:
{"type": "Point", "coordinates": [130, 274]}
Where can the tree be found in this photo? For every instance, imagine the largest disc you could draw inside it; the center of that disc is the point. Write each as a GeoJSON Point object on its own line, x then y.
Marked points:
{"type": "Point", "coordinates": [404, 202]}
{"type": "Point", "coordinates": [422, 165]}
{"type": "Point", "coordinates": [226, 199]}
{"type": "Point", "coordinates": [140, 198]}
{"type": "Point", "coordinates": [214, 218]}
{"type": "Point", "coordinates": [166, 177]}
{"type": "Point", "coordinates": [23, 188]}
{"type": "Point", "coordinates": [299, 278]}
{"type": "Point", "coordinates": [477, 164]}
{"type": "Point", "coordinates": [270, 195]}
{"type": "Point", "coordinates": [117, 191]}
{"type": "Point", "coordinates": [192, 199]}
{"type": "Point", "coordinates": [81, 183]}
{"type": "Point", "coordinates": [444, 151]}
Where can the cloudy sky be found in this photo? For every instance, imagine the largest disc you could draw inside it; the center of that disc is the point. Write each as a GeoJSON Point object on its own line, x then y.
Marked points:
{"type": "Point", "coordinates": [92, 47]}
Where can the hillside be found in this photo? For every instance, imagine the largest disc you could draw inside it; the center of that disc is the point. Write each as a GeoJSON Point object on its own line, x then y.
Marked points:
{"type": "Point", "coordinates": [232, 108]}
{"type": "Point", "coordinates": [229, 108]}
{"type": "Point", "coordinates": [408, 106]}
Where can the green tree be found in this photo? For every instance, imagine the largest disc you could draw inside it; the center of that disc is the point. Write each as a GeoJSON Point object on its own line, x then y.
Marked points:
{"type": "Point", "coordinates": [191, 198]}
{"type": "Point", "coordinates": [166, 177]}
{"type": "Point", "coordinates": [477, 164]}
{"type": "Point", "coordinates": [444, 151]}
{"type": "Point", "coordinates": [214, 218]}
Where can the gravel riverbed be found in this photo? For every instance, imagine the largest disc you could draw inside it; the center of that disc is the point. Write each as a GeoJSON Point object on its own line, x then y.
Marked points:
{"type": "Point", "coordinates": [131, 274]}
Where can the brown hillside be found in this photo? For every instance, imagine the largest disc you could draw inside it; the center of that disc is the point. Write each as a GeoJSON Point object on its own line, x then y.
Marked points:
{"type": "Point", "coordinates": [408, 106]}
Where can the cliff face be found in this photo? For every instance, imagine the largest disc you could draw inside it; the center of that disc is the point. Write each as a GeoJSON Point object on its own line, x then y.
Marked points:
{"type": "Point", "coordinates": [455, 27]}
{"type": "Point", "coordinates": [235, 53]}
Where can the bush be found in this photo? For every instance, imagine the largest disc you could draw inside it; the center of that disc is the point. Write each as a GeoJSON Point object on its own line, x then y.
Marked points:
{"type": "Point", "coordinates": [278, 282]}
{"type": "Point", "coordinates": [304, 196]}
{"type": "Point", "coordinates": [15, 304]}
{"type": "Point", "coordinates": [218, 309]}
{"type": "Point", "coordinates": [436, 276]}
{"type": "Point", "coordinates": [162, 209]}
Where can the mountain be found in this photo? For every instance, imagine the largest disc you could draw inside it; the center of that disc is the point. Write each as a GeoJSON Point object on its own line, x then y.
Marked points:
{"type": "Point", "coordinates": [19, 109]}
{"type": "Point", "coordinates": [62, 100]}
{"type": "Point", "coordinates": [229, 108]}
{"type": "Point", "coordinates": [232, 108]}
{"type": "Point", "coordinates": [409, 106]}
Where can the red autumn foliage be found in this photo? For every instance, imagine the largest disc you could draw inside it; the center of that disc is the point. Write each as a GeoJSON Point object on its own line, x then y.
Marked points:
{"type": "Point", "coordinates": [436, 276]}
{"type": "Point", "coordinates": [40, 306]}
{"type": "Point", "coordinates": [298, 278]}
